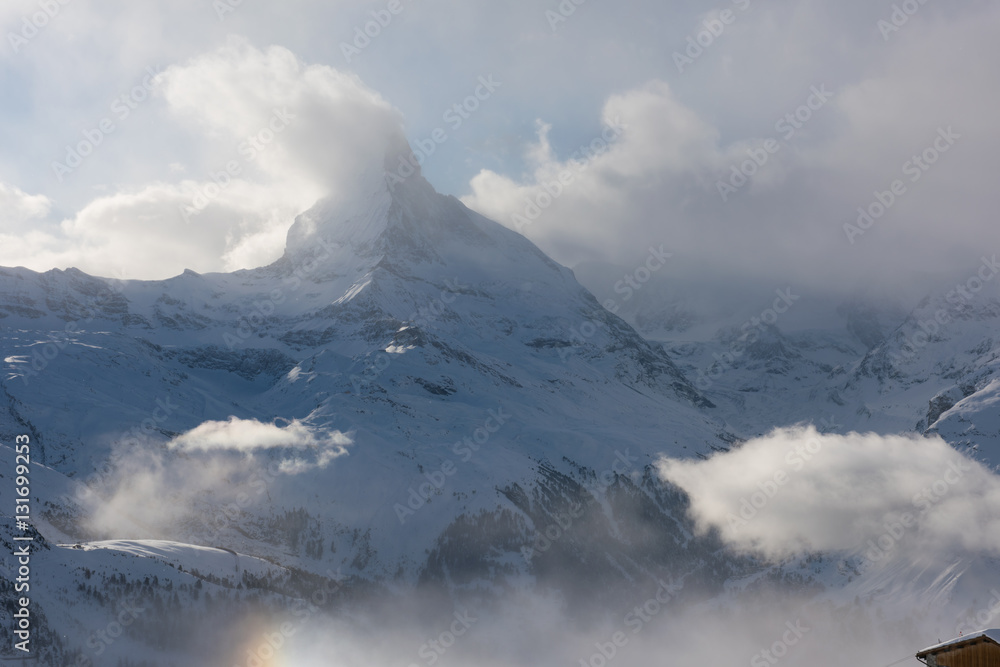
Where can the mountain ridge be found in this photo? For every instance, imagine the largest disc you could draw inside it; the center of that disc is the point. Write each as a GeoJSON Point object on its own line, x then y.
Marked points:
{"type": "Point", "coordinates": [499, 427]}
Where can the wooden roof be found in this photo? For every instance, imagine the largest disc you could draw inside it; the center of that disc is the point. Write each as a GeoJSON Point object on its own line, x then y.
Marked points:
{"type": "Point", "coordinates": [989, 636]}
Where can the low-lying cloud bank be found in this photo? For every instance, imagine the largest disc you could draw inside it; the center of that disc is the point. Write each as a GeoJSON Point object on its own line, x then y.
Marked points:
{"type": "Point", "coordinates": [217, 464]}
{"type": "Point", "coordinates": [798, 491]}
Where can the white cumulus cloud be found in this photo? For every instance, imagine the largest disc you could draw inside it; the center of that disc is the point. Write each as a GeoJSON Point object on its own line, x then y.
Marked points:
{"type": "Point", "coordinates": [250, 435]}
{"type": "Point", "coordinates": [274, 135]}
{"type": "Point", "coordinates": [796, 490]}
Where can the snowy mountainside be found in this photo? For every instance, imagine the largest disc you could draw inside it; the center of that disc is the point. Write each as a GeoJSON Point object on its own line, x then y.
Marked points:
{"type": "Point", "coordinates": [861, 365]}
{"type": "Point", "coordinates": [447, 409]}
{"type": "Point", "coordinates": [476, 394]}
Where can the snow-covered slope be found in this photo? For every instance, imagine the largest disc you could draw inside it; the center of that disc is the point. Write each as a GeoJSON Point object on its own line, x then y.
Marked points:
{"type": "Point", "coordinates": [413, 397]}
{"type": "Point", "coordinates": [865, 364]}
{"type": "Point", "coordinates": [485, 396]}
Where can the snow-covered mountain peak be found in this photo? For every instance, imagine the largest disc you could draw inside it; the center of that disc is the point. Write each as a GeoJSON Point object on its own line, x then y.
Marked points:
{"type": "Point", "coordinates": [354, 220]}
{"type": "Point", "coordinates": [488, 399]}
{"type": "Point", "coordinates": [393, 244]}
{"type": "Point", "coordinates": [390, 211]}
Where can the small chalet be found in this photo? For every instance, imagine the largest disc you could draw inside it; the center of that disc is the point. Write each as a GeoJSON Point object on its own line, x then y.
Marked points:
{"type": "Point", "coordinates": [979, 649]}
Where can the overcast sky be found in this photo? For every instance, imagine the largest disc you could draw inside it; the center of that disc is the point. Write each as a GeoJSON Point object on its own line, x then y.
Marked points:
{"type": "Point", "coordinates": [181, 85]}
